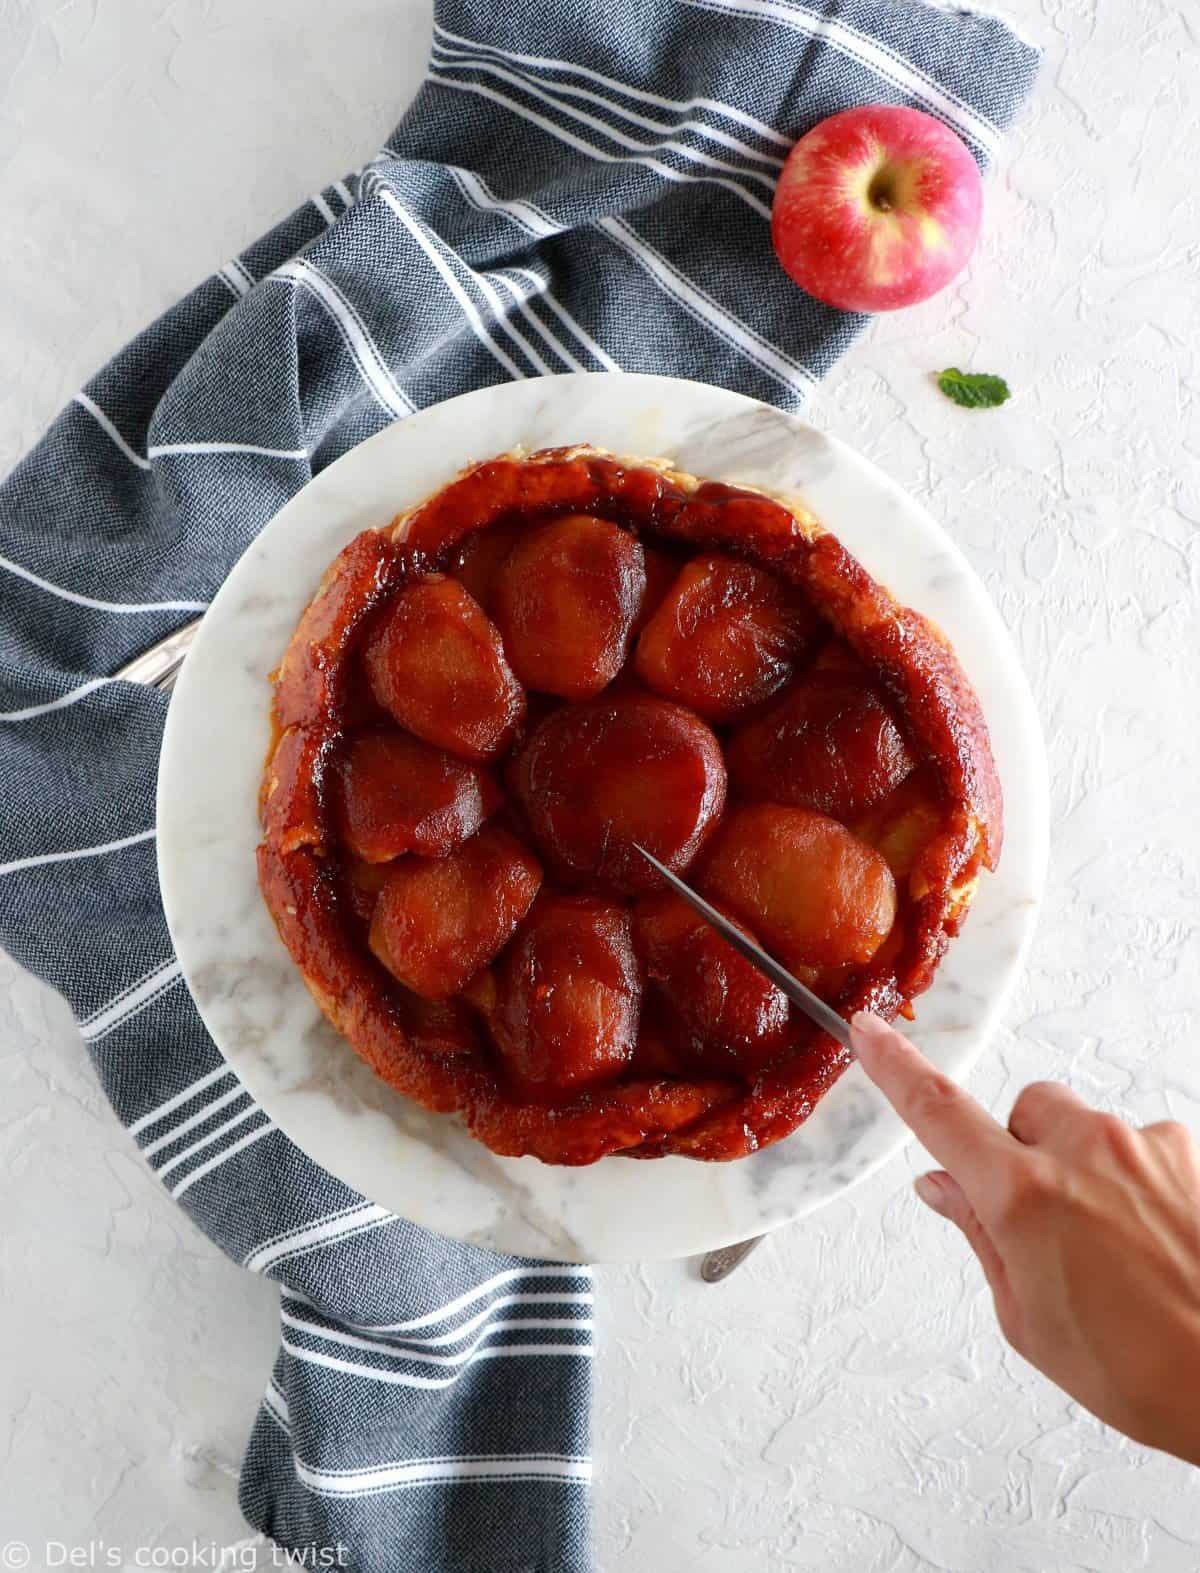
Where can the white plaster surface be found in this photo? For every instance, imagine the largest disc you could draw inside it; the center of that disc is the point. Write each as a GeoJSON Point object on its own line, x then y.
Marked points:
{"type": "Point", "coordinates": [844, 1402]}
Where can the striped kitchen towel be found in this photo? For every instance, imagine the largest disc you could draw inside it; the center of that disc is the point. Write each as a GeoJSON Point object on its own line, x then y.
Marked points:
{"type": "Point", "coordinates": [577, 186]}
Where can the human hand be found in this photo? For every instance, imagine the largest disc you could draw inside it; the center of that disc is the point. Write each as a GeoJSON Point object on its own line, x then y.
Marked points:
{"type": "Point", "coordinates": [1087, 1230]}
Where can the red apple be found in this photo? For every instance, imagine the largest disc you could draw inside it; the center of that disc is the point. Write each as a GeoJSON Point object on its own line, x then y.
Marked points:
{"type": "Point", "coordinates": [876, 208]}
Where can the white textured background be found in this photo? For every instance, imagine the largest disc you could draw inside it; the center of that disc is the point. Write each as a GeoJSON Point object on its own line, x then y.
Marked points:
{"type": "Point", "coordinates": [844, 1403]}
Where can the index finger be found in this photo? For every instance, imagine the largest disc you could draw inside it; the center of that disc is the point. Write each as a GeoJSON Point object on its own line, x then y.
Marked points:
{"type": "Point", "coordinates": [959, 1132]}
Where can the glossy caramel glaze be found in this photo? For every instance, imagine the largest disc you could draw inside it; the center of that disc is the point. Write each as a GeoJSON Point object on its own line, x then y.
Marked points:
{"type": "Point", "coordinates": [597, 1018]}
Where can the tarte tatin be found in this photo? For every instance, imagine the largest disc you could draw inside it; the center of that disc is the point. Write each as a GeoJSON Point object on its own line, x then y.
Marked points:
{"type": "Point", "coordinates": [557, 655]}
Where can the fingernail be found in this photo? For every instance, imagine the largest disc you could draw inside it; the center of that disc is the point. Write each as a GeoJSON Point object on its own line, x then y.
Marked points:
{"type": "Point", "coordinates": [929, 1188]}
{"type": "Point", "coordinates": [870, 1026]}
{"type": "Point", "coordinates": [867, 1021]}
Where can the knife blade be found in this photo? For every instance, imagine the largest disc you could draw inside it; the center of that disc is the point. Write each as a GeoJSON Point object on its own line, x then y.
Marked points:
{"type": "Point", "coordinates": [813, 1006]}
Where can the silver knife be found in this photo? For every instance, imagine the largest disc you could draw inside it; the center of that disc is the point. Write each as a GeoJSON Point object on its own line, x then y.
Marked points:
{"type": "Point", "coordinates": [813, 1006]}
{"type": "Point", "coordinates": [159, 666]}
{"type": "Point", "coordinates": [719, 1264]}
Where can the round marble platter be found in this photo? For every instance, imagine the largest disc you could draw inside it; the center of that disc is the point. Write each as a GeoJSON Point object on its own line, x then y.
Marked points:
{"type": "Point", "coordinates": [249, 993]}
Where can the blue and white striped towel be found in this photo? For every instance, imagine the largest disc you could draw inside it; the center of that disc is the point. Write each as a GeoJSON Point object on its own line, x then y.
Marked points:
{"type": "Point", "coordinates": [580, 186]}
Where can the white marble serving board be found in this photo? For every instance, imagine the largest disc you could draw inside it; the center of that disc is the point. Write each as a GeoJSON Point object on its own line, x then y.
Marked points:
{"type": "Point", "coordinates": [248, 990]}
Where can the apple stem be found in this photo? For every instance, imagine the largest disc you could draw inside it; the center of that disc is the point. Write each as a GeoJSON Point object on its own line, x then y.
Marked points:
{"type": "Point", "coordinates": [880, 192]}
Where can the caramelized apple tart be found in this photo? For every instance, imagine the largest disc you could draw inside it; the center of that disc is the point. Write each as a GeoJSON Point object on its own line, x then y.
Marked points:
{"type": "Point", "coordinates": [557, 656]}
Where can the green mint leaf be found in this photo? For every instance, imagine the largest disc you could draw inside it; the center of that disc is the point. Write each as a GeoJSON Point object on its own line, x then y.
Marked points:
{"type": "Point", "coordinates": [974, 390]}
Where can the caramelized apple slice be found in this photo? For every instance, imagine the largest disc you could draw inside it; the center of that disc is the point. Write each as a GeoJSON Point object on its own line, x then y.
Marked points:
{"type": "Point", "coordinates": [726, 637]}
{"type": "Point", "coordinates": [442, 1027]}
{"type": "Point", "coordinates": [566, 1010]}
{"type": "Point", "coordinates": [478, 560]}
{"type": "Point", "coordinates": [817, 895]}
{"type": "Point", "coordinates": [437, 922]}
{"type": "Point", "coordinates": [595, 779]}
{"type": "Point", "coordinates": [436, 664]}
{"type": "Point", "coordinates": [835, 655]}
{"type": "Point", "coordinates": [905, 822]}
{"type": "Point", "coordinates": [732, 1016]}
{"type": "Point", "coordinates": [364, 881]}
{"type": "Point", "coordinates": [830, 744]}
{"type": "Point", "coordinates": [663, 1047]}
{"type": "Point", "coordinates": [662, 570]}
{"type": "Point", "coordinates": [395, 794]}
{"type": "Point", "coordinates": [565, 600]}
